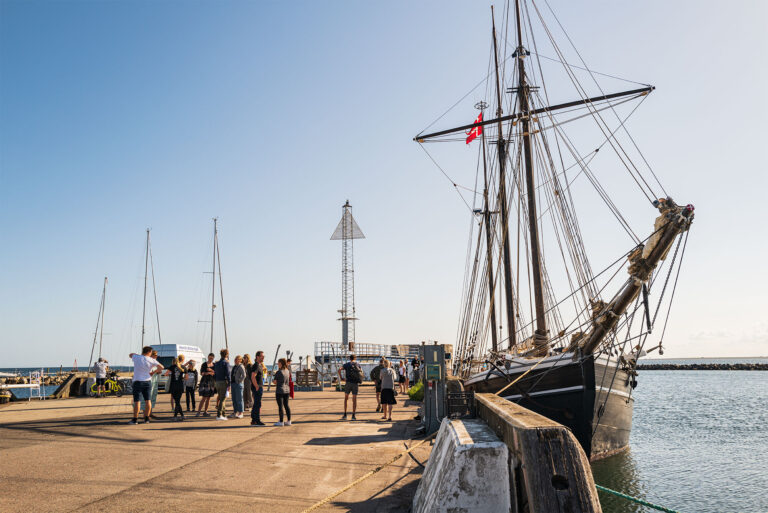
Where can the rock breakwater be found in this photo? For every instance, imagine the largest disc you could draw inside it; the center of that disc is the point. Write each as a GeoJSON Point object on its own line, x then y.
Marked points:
{"type": "Point", "coordinates": [704, 366]}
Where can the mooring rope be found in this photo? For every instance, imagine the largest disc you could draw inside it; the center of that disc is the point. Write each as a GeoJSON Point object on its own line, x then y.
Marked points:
{"type": "Point", "coordinates": [367, 475]}
{"type": "Point", "coordinates": [635, 499]}
{"type": "Point", "coordinates": [521, 376]}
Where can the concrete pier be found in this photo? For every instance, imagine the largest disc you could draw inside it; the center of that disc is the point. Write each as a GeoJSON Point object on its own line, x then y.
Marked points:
{"type": "Point", "coordinates": [467, 471]}
{"type": "Point", "coordinates": [81, 455]}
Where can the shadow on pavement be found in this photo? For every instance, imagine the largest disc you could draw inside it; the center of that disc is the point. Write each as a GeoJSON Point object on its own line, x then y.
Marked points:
{"type": "Point", "coordinates": [389, 499]}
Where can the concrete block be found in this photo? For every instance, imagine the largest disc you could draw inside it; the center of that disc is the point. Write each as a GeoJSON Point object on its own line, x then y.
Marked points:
{"type": "Point", "coordinates": [467, 472]}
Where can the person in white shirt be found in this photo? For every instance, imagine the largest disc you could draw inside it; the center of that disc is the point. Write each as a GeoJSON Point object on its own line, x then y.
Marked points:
{"type": "Point", "coordinates": [100, 367]}
{"type": "Point", "coordinates": [144, 367]}
{"type": "Point", "coordinates": [388, 379]}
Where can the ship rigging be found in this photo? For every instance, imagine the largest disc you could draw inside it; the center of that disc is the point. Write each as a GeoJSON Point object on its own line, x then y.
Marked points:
{"type": "Point", "coordinates": [568, 340]}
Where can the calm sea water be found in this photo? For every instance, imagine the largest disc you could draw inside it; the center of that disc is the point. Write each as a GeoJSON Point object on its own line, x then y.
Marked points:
{"type": "Point", "coordinates": [699, 444]}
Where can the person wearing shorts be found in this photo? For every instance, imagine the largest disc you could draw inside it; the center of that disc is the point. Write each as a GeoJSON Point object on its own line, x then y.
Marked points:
{"type": "Point", "coordinates": [352, 371]}
{"type": "Point", "coordinates": [144, 367]}
{"type": "Point", "coordinates": [101, 368]}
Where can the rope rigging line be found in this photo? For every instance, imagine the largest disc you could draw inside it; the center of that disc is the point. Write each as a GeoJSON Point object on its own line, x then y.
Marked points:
{"type": "Point", "coordinates": [598, 85]}
{"type": "Point", "coordinates": [566, 220]}
{"type": "Point", "coordinates": [484, 79]}
{"type": "Point", "coordinates": [674, 288]}
{"type": "Point", "coordinates": [571, 146]}
{"type": "Point", "coordinates": [585, 165]}
{"type": "Point", "coordinates": [601, 123]}
{"type": "Point", "coordinates": [557, 49]}
{"type": "Point", "coordinates": [455, 185]}
{"type": "Point", "coordinates": [587, 69]}
{"type": "Point", "coordinates": [635, 499]}
{"type": "Point", "coordinates": [154, 293]}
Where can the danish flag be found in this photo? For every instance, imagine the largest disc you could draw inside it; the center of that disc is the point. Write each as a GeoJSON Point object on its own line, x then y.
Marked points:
{"type": "Point", "coordinates": [476, 130]}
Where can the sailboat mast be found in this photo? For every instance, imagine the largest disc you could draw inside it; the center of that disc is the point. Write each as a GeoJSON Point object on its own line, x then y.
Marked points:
{"type": "Point", "coordinates": [103, 304]}
{"type": "Point", "coordinates": [221, 291]}
{"type": "Point", "coordinates": [96, 332]}
{"type": "Point", "coordinates": [213, 278]}
{"type": "Point", "coordinates": [144, 305]}
{"type": "Point", "coordinates": [540, 337]}
{"type": "Point", "coordinates": [502, 152]}
{"type": "Point", "coordinates": [488, 242]}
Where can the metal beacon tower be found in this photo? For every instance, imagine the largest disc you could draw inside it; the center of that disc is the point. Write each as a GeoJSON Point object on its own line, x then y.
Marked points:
{"type": "Point", "coordinates": [347, 231]}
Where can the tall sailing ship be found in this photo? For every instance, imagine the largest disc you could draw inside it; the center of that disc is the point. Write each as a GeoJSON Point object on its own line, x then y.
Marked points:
{"type": "Point", "coordinates": [553, 334]}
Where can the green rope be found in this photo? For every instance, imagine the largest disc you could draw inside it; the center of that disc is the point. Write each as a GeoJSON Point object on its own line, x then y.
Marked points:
{"type": "Point", "coordinates": [635, 499]}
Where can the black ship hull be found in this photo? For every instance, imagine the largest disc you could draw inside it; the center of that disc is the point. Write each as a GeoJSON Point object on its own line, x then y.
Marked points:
{"type": "Point", "coordinates": [591, 397]}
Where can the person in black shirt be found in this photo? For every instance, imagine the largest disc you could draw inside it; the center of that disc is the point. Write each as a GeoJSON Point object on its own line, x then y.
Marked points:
{"type": "Point", "coordinates": [176, 386]}
{"type": "Point", "coordinates": [353, 374]}
{"type": "Point", "coordinates": [256, 379]}
{"type": "Point", "coordinates": [282, 381]}
{"type": "Point", "coordinates": [207, 388]}
{"type": "Point", "coordinates": [190, 383]}
{"type": "Point", "coordinates": [247, 396]}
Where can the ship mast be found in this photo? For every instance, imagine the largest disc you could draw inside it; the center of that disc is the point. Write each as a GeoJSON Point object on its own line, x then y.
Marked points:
{"type": "Point", "coordinates": [488, 241]}
{"type": "Point", "coordinates": [524, 113]}
{"type": "Point", "coordinates": [502, 153]}
{"type": "Point", "coordinates": [540, 336]}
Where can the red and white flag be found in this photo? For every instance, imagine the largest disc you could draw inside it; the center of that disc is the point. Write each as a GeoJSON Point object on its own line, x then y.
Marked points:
{"type": "Point", "coordinates": [476, 130]}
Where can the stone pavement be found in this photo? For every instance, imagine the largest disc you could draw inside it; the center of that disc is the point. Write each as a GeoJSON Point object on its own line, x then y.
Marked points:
{"type": "Point", "coordinates": [81, 455]}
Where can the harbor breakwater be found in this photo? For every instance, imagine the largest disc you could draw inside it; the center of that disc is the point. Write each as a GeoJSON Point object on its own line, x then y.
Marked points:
{"type": "Point", "coordinates": [704, 366]}
{"type": "Point", "coordinates": [54, 380]}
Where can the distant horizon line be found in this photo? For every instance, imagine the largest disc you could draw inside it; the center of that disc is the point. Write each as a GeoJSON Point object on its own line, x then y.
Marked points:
{"type": "Point", "coordinates": [644, 358]}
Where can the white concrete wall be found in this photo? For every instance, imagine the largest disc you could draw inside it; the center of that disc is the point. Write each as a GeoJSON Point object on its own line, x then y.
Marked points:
{"type": "Point", "coordinates": [467, 472]}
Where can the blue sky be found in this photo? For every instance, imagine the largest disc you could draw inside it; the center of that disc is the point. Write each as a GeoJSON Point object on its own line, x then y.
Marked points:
{"type": "Point", "coordinates": [118, 116]}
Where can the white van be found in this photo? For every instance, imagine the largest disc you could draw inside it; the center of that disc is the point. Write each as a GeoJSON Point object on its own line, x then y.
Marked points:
{"type": "Point", "coordinates": [167, 352]}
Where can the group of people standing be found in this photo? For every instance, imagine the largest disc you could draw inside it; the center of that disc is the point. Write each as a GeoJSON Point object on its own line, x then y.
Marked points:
{"type": "Point", "coordinates": [384, 378]}
{"type": "Point", "coordinates": [243, 380]}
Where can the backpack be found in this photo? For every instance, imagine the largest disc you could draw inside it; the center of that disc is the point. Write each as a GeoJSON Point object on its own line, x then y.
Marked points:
{"type": "Point", "coordinates": [354, 373]}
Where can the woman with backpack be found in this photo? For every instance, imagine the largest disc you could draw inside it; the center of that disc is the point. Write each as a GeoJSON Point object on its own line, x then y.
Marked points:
{"type": "Point", "coordinates": [283, 391]}
{"type": "Point", "coordinates": [388, 378]}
